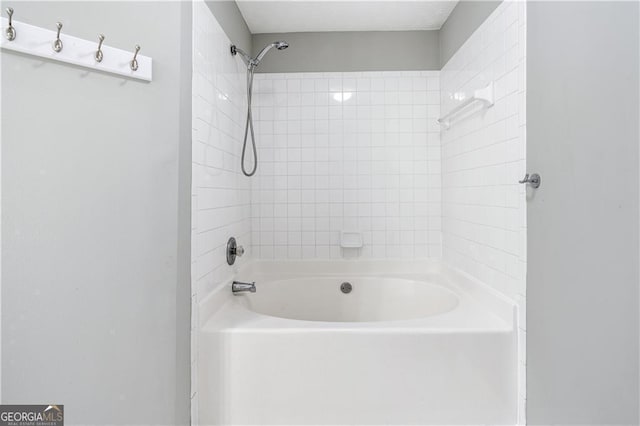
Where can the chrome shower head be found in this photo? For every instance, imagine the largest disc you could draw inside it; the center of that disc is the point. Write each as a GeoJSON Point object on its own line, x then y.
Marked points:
{"type": "Point", "coordinates": [253, 62]}
{"type": "Point", "coordinates": [280, 45]}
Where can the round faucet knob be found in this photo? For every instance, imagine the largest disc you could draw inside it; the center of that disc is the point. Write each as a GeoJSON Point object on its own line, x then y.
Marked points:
{"type": "Point", "coordinates": [233, 251]}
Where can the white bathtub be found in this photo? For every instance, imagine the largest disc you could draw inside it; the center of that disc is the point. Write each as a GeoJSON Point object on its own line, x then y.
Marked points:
{"type": "Point", "coordinates": [410, 344]}
{"type": "Point", "coordinates": [370, 299]}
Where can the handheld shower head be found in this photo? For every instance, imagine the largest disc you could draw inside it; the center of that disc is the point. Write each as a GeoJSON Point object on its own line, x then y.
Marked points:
{"type": "Point", "coordinates": [280, 45]}
{"type": "Point", "coordinates": [252, 63]}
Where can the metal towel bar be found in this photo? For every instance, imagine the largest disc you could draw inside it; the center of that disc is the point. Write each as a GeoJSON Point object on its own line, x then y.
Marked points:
{"type": "Point", "coordinates": [485, 96]}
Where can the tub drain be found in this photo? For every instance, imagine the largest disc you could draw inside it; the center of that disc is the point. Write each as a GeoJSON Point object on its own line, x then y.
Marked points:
{"type": "Point", "coordinates": [346, 287]}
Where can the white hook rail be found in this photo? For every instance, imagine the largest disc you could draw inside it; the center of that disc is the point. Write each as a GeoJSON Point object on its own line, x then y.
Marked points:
{"type": "Point", "coordinates": [38, 41]}
{"type": "Point", "coordinates": [485, 96]}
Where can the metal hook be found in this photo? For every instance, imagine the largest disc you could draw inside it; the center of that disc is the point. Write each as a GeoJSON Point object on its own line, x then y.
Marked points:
{"type": "Point", "coordinates": [98, 54]}
{"type": "Point", "coordinates": [57, 44]}
{"type": "Point", "coordinates": [10, 32]}
{"type": "Point", "coordinates": [134, 62]}
{"type": "Point", "coordinates": [533, 180]}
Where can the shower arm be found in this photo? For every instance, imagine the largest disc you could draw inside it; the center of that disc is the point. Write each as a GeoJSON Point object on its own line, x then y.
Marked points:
{"type": "Point", "coordinates": [244, 56]}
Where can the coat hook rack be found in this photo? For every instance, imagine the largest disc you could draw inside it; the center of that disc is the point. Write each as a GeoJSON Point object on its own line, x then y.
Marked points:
{"type": "Point", "coordinates": [99, 54]}
{"type": "Point", "coordinates": [46, 43]}
{"type": "Point", "coordinates": [10, 32]}
{"type": "Point", "coordinates": [134, 62]}
{"type": "Point", "coordinates": [57, 44]}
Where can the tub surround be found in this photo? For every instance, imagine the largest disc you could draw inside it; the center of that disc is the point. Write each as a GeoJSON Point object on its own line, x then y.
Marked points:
{"type": "Point", "coordinates": [484, 224]}
{"type": "Point", "coordinates": [220, 194]}
{"type": "Point", "coordinates": [483, 155]}
{"type": "Point", "coordinates": [347, 151]}
{"type": "Point", "coordinates": [361, 152]}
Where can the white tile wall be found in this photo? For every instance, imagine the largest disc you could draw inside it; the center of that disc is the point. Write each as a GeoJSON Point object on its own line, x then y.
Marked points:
{"type": "Point", "coordinates": [483, 157]}
{"type": "Point", "coordinates": [347, 151]}
{"type": "Point", "coordinates": [361, 151]}
{"type": "Point", "coordinates": [220, 193]}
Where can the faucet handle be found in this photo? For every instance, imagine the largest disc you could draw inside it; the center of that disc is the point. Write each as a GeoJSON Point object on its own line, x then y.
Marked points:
{"type": "Point", "coordinates": [233, 250]}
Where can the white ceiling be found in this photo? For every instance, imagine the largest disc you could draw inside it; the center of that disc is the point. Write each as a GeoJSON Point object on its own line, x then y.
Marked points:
{"type": "Point", "coordinates": [267, 16]}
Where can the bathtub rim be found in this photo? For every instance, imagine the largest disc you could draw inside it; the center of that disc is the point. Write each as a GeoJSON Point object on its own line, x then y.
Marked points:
{"type": "Point", "coordinates": [450, 296]}
{"type": "Point", "coordinates": [476, 299]}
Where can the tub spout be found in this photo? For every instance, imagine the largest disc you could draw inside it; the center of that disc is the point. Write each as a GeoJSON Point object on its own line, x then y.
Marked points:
{"type": "Point", "coordinates": [239, 287]}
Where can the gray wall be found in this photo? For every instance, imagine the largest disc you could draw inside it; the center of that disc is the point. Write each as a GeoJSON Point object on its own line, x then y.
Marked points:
{"type": "Point", "coordinates": [582, 284]}
{"type": "Point", "coordinates": [357, 51]}
{"type": "Point", "coordinates": [465, 18]}
{"type": "Point", "coordinates": [183, 249]}
{"type": "Point", "coordinates": [230, 19]}
{"type": "Point", "coordinates": [95, 280]}
{"type": "Point", "coordinates": [351, 51]}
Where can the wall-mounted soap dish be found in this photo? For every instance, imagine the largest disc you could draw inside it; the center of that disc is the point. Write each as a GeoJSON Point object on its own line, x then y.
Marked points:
{"type": "Point", "coordinates": [351, 239]}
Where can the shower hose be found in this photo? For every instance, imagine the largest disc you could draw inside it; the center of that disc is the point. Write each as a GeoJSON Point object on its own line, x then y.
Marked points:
{"type": "Point", "coordinates": [249, 127]}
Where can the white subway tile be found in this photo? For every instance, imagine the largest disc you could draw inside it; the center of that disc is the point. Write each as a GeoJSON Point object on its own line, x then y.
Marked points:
{"type": "Point", "coordinates": [483, 223]}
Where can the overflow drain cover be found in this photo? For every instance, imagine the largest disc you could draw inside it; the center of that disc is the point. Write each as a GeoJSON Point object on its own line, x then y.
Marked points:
{"type": "Point", "coordinates": [346, 287]}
